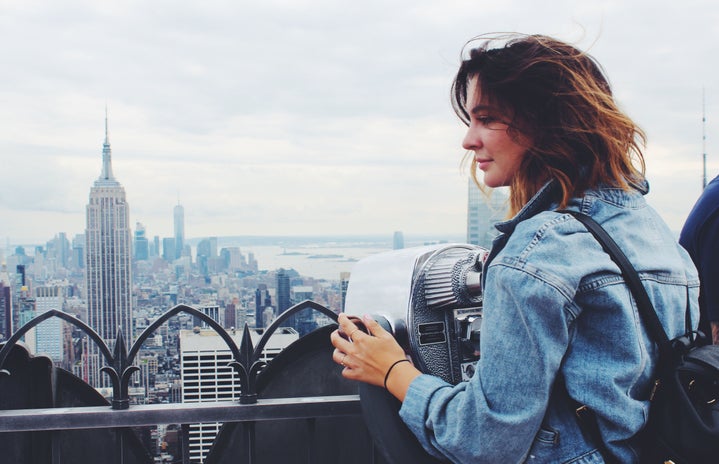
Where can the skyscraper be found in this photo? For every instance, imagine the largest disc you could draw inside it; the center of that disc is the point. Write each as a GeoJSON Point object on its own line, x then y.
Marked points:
{"type": "Point", "coordinates": [262, 301]}
{"type": "Point", "coordinates": [344, 285]}
{"type": "Point", "coordinates": [142, 249]}
{"type": "Point", "coordinates": [78, 252]}
{"type": "Point", "coordinates": [207, 378]}
{"type": "Point", "coordinates": [398, 240]}
{"type": "Point", "coordinates": [5, 305]}
{"type": "Point", "coordinates": [49, 334]}
{"type": "Point", "coordinates": [168, 249]}
{"type": "Point", "coordinates": [23, 304]}
{"type": "Point", "coordinates": [108, 252]}
{"type": "Point", "coordinates": [57, 252]}
{"type": "Point", "coordinates": [179, 221]}
{"type": "Point", "coordinates": [283, 291]}
{"type": "Point", "coordinates": [482, 213]}
{"type": "Point", "coordinates": [207, 259]}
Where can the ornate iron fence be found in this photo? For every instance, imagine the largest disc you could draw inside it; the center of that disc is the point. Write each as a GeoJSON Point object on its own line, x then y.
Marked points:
{"type": "Point", "coordinates": [46, 433]}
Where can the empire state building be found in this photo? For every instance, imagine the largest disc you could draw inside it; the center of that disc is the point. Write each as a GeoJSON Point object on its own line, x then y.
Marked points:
{"type": "Point", "coordinates": [108, 265]}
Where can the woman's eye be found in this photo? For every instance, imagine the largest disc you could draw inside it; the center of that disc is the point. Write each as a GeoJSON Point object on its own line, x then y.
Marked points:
{"type": "Point", "coordinates": [491, 122]}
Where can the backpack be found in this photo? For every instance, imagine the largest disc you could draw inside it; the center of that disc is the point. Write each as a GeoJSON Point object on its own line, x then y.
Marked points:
{"type": "Point", "coordinates": [683, 424]}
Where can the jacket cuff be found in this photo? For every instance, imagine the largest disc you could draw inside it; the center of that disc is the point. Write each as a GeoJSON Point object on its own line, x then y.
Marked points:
{"type": "Point", "coordinates": [415, 405]}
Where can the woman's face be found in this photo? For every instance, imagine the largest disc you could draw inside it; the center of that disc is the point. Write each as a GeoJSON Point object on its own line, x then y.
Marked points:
{"type": "Point", "coordinates": [497, 153]}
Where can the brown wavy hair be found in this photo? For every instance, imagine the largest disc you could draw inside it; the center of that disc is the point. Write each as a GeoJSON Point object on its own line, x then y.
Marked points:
{"type": "Point", "coordinates": [558, 97]}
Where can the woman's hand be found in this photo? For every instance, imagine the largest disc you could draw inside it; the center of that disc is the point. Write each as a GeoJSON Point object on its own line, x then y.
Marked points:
{"type": "Point", "coordinates": [368, 357]}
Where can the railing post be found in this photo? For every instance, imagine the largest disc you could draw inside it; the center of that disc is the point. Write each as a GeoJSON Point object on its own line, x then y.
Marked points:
{"type": "Point", "coordinates": [119, 446]}
{"type": "Point", "coordinates": [375, 452]}
{"type": "Point", "coordinates": [185, 437]}
{"type": "Point", "coordinates": [311, 422]}
{"type": "Point", "coordinates": [55, 451]}
{"type": "Point", "coordinates": [247, 431]}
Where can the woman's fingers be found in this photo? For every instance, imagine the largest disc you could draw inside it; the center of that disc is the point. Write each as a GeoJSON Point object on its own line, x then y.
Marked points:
{"type": "Point", "coordinates": [347, 328]}
{"type": "Point", "coordinates": [373, 326]}
{"type": "Point", "coordinates": [339, 342]}
{"type": "Point", "coordinates": [338, 356]}
{"type": "Point", "coordinates": [364, 356]}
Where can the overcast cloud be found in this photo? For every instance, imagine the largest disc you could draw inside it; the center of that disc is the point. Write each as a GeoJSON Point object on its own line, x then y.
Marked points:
{"type": "Point", "coordinates": [304, 117]}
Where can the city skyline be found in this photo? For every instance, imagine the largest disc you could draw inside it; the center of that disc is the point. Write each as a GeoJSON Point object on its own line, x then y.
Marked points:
{"type": "Point", "coordinates": [309, 118]}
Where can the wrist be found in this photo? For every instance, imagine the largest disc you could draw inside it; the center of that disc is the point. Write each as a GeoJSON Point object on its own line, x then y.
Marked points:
{"type": "Point", "coordinates": [400, 378]}
{"type": "Point", "coordinates": [391, 368]}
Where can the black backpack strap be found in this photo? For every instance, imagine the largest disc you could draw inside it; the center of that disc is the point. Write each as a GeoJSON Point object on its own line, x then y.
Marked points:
{"type": "Point", "coordinates": [587, 421]}
{"type": "Point", "coordinates": [587, 418]}
{"type": "Point", "coordinates": [644, 304]}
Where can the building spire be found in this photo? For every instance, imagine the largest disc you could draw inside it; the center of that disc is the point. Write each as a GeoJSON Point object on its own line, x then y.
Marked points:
{"type": "Point", "coordinates": [106, 154]}
{"type": "Point", "coordinates": [107, 133]}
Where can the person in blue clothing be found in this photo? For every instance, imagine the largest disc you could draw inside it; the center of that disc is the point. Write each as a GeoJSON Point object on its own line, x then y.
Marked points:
{"type": "Point", "coordinates": [700, 236]}
{"type": "Point", "coordinates": [559, 327]}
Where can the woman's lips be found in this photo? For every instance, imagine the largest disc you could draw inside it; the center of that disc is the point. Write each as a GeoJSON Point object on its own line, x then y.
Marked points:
{"type": "Point", "coordinates": [483, 164]}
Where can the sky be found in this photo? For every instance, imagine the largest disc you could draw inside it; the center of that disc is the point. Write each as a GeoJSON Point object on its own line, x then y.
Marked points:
{"type": "Point", "coordinates": [309, 117]}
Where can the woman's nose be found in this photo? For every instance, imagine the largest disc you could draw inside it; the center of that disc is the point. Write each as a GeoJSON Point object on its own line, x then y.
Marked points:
{"type": "Point", "coordinates": [471, 140]}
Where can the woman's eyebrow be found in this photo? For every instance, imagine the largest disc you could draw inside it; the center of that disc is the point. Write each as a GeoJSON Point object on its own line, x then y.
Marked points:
{"type": "Point", "coordinates": [479, 108]}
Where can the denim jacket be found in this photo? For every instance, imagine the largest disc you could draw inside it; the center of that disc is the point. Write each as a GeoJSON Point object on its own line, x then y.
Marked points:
{"type": "Point", "coordinates": [560, 328]}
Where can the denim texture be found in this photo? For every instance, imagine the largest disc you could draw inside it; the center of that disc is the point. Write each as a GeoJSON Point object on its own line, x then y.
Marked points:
{"type": "Point", "coordinates": [558, 323]}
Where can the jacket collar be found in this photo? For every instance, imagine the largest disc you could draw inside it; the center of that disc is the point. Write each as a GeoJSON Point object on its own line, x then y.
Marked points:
{"type": "Point", "coordinates": [547, 198]}
{"type": "Point", "coordinates": [543, 200]}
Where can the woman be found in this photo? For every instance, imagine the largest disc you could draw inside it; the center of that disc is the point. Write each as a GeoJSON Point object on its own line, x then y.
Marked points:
{"type": "Point", "coordinates": [560, 328]}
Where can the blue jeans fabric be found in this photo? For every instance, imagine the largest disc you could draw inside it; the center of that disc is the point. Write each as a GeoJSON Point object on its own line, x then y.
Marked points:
{"type": "Point", "coordinates": [559, 327]}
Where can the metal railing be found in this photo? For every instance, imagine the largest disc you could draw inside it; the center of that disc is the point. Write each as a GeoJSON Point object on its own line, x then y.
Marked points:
{"type": "Point", "coordinates": [94, 417]}
{"type": "Point", "coordinates": [120, 417]}
{"type": "Point", "coordinates": [246, 360]}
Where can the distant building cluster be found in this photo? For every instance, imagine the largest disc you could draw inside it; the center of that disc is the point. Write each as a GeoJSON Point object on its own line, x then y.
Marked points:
{"type": "Point", "coordinates": [119, 281]}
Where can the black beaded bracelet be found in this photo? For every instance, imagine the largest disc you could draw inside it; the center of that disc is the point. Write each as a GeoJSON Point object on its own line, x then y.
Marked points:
{"type": "Point", "coordinates": [390, 370]}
